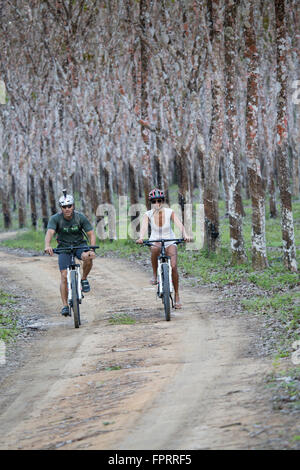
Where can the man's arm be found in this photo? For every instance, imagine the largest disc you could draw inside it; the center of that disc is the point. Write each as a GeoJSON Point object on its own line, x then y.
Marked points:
{"type": "Point", "coordinates": [92, 239]}
{"type": "Point", "coordinates": [49, 235]}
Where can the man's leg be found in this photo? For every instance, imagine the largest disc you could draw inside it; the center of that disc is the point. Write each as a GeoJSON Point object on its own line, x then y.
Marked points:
{"type": "Point", "coordinates": [64, 287]}
{"type": "Point", "coordinates": [87, 258]}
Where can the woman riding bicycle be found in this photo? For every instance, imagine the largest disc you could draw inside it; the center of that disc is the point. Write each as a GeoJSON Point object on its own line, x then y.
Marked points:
{"type": "Point", "coordinates": [160, 218]}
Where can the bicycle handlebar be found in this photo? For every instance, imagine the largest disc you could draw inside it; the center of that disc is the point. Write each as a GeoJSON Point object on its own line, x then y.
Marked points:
{"type": "Point", "coordinates": [176, 240]}
{"type": "Point", "coordinates": [73, 248]}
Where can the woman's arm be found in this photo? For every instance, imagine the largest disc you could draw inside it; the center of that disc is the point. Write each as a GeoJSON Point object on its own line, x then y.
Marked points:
{"type": "Point", "coordinates": [144, 229]}
{"type": "Point", "coordinates": [178, 224]}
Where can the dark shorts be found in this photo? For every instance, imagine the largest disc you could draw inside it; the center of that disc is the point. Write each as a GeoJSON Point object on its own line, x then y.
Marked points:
{"type": "Point", "coordinates": [64, 259]}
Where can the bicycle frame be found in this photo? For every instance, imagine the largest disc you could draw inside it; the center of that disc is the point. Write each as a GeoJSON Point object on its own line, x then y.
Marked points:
{"type": "Point", "coordinates": [74, 267]}
{"type": "Point", "coordinates": [163, 258]}
{"type": "Point", "coordinates": [74, 295]}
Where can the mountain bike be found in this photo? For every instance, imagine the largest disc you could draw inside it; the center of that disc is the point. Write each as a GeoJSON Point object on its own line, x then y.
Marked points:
{"type": "Point", "coordinates": [75, 295]}
{"type": "Point", "coordinates": [165, 287]}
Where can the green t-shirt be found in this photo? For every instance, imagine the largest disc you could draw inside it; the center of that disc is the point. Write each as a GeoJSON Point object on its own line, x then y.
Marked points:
{"type": "Point", "coordinates": [69, 232]}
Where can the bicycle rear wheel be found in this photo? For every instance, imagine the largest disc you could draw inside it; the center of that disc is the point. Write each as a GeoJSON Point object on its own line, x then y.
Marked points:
{"type": "Point", "coordinates": [166, 291]}
{"type": "Point", "coordinates": [75, 300]}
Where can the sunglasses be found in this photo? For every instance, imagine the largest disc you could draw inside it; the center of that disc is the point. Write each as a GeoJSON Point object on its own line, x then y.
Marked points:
{"type": "Point", "coordinates": [157, 200]}
{"type": "Point", "coordinates": [68, 206]}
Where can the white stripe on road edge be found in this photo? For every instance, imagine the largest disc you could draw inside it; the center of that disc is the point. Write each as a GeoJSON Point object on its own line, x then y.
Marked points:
{"type": "Point", "coordinates": [2, 353]}
{"type": "Point", "coordinates": [296, 354]}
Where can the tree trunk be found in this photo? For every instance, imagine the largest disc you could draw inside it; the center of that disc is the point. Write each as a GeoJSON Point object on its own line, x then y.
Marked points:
{"type": "Point", "coordinates": [223, 177]}
{"type": "Point", "coordinates": [22, 190]}
{"type": "Point", "coordinates": [259, 256]}
{"type": "Point", "coordinates": [52, 196]}
{"type": "Point", "coordinates": [13, 190]}
{"type": "Point", "coordinates": [212, 160]}
{"type": "Point", "coordinates": [184, 179]}
{"type": "Point", "coordinates": [44, 203]}
{"type": "Point", "coordinates": [5, 200]}
{"type": "Point", "coordinates": [133, 183]}
{"type": "Point", "coordinates": [200, 152]}
{"type": "Point", "coordinates": [295, 142]}
{"type": "Point", "coordinates": [34, 216]}
{"type": "Point", "coordinates": [287, 224]}
{"type": "Point", "coordinates": [107, 194]}
{"type": "Point", "coordinates": [146, 157]}
{"type": "Point", "coordinates": [4, 186]}
{"type": "Point", "coordinates": [232, 164]}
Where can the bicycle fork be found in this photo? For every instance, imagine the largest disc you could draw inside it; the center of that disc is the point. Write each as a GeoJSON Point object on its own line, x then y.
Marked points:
{"type": "Point", "coordinates": [79, 293]}
{"type": "Point", "coordinates": [160, 282]}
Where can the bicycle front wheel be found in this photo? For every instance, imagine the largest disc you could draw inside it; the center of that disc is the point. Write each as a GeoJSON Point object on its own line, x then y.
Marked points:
{"type": "Point", "coordinates": [166, 291]}
{"type": "Point", "coordinates": [75, 299]}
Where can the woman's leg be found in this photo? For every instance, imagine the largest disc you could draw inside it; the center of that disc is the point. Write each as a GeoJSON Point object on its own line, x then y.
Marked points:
{"type": "Point", "coordinates": [155, 251]}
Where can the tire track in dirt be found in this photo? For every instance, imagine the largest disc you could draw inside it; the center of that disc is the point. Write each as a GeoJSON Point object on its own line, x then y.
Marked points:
{"type": "Point", "coordinates": [151, 385]}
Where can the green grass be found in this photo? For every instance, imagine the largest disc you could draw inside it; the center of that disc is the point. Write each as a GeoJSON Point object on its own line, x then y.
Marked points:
{"type": "Point", "coordinates": [282, 308]}
{"type": "Point", "coordinates": [113, 368]}
{"type": "Point", "coordinates": [8, 322]}
{"type": "Point", "coordinates": [122, 319]}
{"type": "Point", "coordinates": [6, 299]}
{"type": "Point", "coordinates": [29, 240]}
{"type": "Point", "coordinates": [286, 390]}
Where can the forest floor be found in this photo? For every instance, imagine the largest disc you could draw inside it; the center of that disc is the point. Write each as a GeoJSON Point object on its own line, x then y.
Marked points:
{"type": "Point", "coordinates": [127, 379]}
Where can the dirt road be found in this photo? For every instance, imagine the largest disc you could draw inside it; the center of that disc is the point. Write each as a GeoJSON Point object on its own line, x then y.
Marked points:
{"type": "Point", "coordinates": [185, 384]}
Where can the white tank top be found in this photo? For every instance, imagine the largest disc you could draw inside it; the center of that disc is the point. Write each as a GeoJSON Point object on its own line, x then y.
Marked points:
{"type": "Point", "coordinates": [161, 232]}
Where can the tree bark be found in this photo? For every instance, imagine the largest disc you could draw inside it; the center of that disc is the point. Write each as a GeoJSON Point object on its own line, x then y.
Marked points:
{"type": "Point", "coordinates": [295, 143]}
{"type": "Point", "coordinates": [44, 203]}
{"type": "Point", "coordinates": [259, 255]}
{"type": "Point", "coordinates": [232, 165]}
{"type": "Point", "coordinates": [52, 196]}
{"type": "Point", "coordinates": [184, 180]}
{"type": "Point", "coordinates": [146, 157]}
{"type": "Point", "coordinates": [287, 224]}
{"type": "Point", "coordinates": [34, 216]}
{"type": "Point", "coordinates": [212, 158]}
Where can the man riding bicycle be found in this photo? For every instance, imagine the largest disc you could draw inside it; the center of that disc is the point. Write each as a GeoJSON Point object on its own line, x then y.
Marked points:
{"type": "Point", "coordinates": [160, 218]}
{"type": "Point", "coordinates": [71, 227]}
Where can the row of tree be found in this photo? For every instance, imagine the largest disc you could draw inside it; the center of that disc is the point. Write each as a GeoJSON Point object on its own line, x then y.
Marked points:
{"type": "Point", "coordinates": [120, 96]}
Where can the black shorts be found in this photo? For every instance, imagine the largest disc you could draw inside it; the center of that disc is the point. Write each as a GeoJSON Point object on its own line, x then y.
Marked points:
{"type": "Point", "coordinates": [64, 259]}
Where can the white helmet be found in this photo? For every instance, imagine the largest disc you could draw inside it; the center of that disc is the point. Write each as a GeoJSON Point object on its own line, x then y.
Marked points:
{"type": "Point", "coordinates": [66, 199]}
